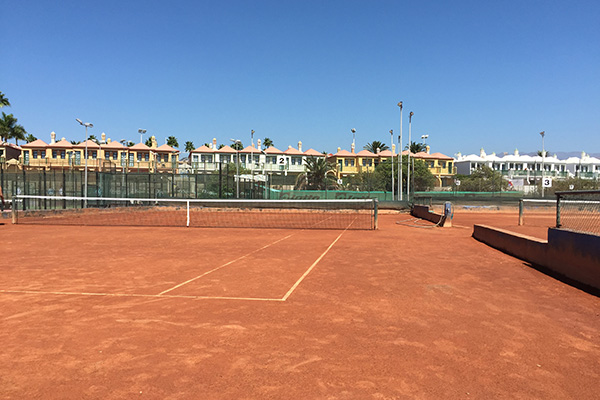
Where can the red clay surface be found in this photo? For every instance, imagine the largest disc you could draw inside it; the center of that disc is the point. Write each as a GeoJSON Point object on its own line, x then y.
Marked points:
{"type": "Point", "coordinates": [397, 313]}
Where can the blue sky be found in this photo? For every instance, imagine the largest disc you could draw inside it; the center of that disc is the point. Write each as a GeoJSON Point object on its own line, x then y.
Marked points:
{"type": "Point", "coordinates": [475, 73]}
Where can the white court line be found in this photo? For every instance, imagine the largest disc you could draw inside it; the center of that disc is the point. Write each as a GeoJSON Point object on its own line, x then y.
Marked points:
{"type": "Point", "coordinates": [289, 293]}
{"type": "Point", "coordinates": [224, 265]}
{"type": "Point", "coordinates": [155, 296]}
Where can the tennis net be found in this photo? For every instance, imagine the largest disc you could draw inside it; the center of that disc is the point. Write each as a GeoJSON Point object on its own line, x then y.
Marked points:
{"type": "Point", "coordinates": [290, 214]}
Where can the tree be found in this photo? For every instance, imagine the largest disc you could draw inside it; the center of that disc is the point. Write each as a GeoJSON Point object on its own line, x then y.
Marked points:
{"type": "Point", "coordinates": [30, 138]}
{"type": "Point", "coordinates": [484, 179]}
{"type": "Point", "coordinates": [267, 143]}
{"type": "Point", "coordinates": [416, 147]}
{"type": "Point", "coordinates": [75, 142]}
{"type": "Point", "coordinates": [172, 141]}
{"type": "Point", "coordinates": [4, 101]}
{"type": "Point", "coordinates": [148, 142]}
{"type": "Point", "coordinates": [421, 178]}
{"type": "Point", "coordinates": [376, 146]}
{"type": "Point", "coordinates": [237, 146]}
{"type": "Point", "coordinates": [7, 124]}
{"type": "Point", "coordinates": [9, 129]}
{"type": "Point", "coordinates": [189, 146]}
{"type": "Point", "coordinates": [18, 133]}
{"type": "Point", "coordinates": [319, 175]}
{"type": "Point", "coordinates": [130, 144]}
{"type": "Point", "coordinates": [93, 138]}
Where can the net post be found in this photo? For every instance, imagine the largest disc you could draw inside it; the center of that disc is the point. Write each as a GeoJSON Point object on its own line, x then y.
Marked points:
{"type": "Point", "coordinates": [520, 212]}
{"type": "Point", "coordinates": [375, 213]}
{"type": "Point", "coordinates": [558, 205]}
{"type": "Point", "coordinates": [188, 213]}
{"type": "Point", "coordinates": [14, 209]}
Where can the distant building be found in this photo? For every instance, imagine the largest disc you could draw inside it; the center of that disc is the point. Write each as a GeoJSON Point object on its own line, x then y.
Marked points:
{"type": "Point", "coordinates": [527, 170]}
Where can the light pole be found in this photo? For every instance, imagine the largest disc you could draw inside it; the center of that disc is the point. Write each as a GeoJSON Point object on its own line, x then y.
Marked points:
{"type": "Point", "coordinates": [252, 160]}
{"type": "Point", "coordinates": [237, 168]}
{"type": "Point", "coordinates": [392, 149]}
{"type": "Point", "coordinates": [424, 138]}
{"type": "Point", "coordinates": [141, 132]}
{"type": "Point", "coordinates": [400, 154]}
{"type": "Point", "coordinates": [353, 138]}
{"type": "Point", "coordinates": [543, 133]}
{"type": "Point", "coordinates": [408, 176]}
{"type": "Point", "coordinates": [87, 125]}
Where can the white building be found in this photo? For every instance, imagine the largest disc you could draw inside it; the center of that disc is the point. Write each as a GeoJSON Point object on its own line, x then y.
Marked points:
{"type": "Point", "coordinates": [516, 167]}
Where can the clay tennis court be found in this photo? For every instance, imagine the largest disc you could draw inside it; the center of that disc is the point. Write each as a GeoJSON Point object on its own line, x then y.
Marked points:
{"type": "Point", "coordinates": [210, 313]}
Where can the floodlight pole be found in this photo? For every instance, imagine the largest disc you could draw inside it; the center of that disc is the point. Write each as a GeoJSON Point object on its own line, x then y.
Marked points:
{"type": "Point", "coordinates": [85, 186]}
{"type": "Point", "coordinates": [400, 154]}
{"type": "Point", "coordinates": [392, 149]}
{"type": "Point", "coordinates": [408, 176]}
{"type": "Point", "coordinates": [252, 160]}
{"type": "Point", "coordinates": [141, 132]}
{"type": "Point", "coordinates": [353, 138]}
{"type": "Point", "coordinates": [543, 133]}
{"type": "Point", "coordinates": [237, 169]}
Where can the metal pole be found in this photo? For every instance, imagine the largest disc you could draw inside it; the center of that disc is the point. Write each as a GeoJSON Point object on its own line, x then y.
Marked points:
{"type": "Point", "coordinates": [400, 155]}
{"type": "Point", "coordinates": [543, 133]}
{"type": "Point", "coordinates": [85, 193]}
{"type": "Point", "coordinates": [392, 149]}
{"type": "Point", "coordinates": [237, 172]}
{"type": "Point", "coordinates": [408, 176]}
{"type": "Point", "coordinates": [252, 161]}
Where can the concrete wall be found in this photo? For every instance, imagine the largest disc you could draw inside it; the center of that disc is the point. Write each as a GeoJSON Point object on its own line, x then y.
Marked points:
{"type": "Point", "coordinates": [424, 213]}
{"type": "Point", "coordinates": [572, 254]}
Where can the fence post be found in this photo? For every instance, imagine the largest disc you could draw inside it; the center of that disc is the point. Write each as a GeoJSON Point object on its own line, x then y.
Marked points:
{"type": "Point", "coordinates": [520, 212]}
{"type": "Point", "coordinates": [558, 206]}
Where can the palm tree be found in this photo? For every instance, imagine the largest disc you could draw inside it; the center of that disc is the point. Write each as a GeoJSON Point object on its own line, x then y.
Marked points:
{"type": "Point", "coordinates": [376, 146]}
{"type": "Point", "coordinates": [30, 138]}
{"type": "Point", "coordinates": [7, 124]}
{"type": "Point", "coordinates": [267, 143]}
{"type": "Point", "coordinates": [319, 175]}
{"type": "Point", "coordinates": [3, 101]}
{"type": "Point", "coordinates": [172, 141]}
{"type": "Point", "coordinates": [93, 138]}
{"type": "Point", "coordinates": [148, 142]}
{"type": "Point", "coordinates": [416, 147]}
{"type": "Point", "coordinates": [75, 142]}
{"type": "Point", "coordinates": [189, 146]}
{"type": "Point", "coordinates": [18, 133]}
{"type": "Point", "coordinates": [237, 146]}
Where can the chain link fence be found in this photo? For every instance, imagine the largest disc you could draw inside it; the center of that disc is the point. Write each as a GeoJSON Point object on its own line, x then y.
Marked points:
{"type": "Point", "coordinates": [579, 211]}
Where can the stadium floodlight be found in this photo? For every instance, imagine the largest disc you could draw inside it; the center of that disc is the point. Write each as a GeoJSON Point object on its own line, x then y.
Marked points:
{"type": "Point", "coordinates": [141, 132]}
{"type": "Point", "coordinates": [85, 186]}
{"type": "Point", "coordinates": [400, 154]}
{"type": "Point", "coordinates": [237, 168]}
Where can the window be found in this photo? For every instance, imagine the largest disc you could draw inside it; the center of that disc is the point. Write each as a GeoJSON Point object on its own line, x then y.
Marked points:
{"type": "Point", "coordinates": [146, 156]}
{"type": "Point", "coordinates": [35, 154]}
{"type": "Point", "coordinates": [94, 154]}
{"type": "Point", "coordinates": [54, 153]}
{"type": "Point", "coordinates": [107, 155]}
{"type": "Point", "coordinates": [63, 154]}
{"type": "Point", "coordinates": [443, 164]}
{"type": "Point", "coordinates": [123, 159]}
{"type": "Point", "coordinates": [139, 157]}
{"type": "Point", "coordinates": [114, 155]}
{"type": "Point", "coordinates": [206, 158]}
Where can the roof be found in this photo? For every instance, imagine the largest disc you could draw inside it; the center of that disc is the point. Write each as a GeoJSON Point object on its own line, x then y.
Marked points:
{"type": "Point", "coordinates": [90, 144]}
{"type": "Point", "coordinates": [366, 153]}
{"type": "Point", "coordinates": [35, 143]}
{"type": "Point", "coordinates": [385, 153]}
{"type": "Point", "coordinates": [166, 147]}
{"type": "Point", "coordinates": [313, 152]}
{"type": "Point", "coordinates": [344, 153]}
{"type": "Point", "coordinates": [250, 150]}
{"type": "Point", "coordinates": [441, 156]}
{"type": "Point", "coordinates": [64, 144]}
{"type": "Point", "coordinates": [140, 146]}
{"type": "Point", "coordinates": [227, 149]}
{"type": "Point", "coordinates": [293, 151]}
{"type": "Point", "coordinates": [273, 150]}
{"type": "Point", "coordinates": [113, 145]}
{"type": "Point", "coordinates": [203, 149]}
